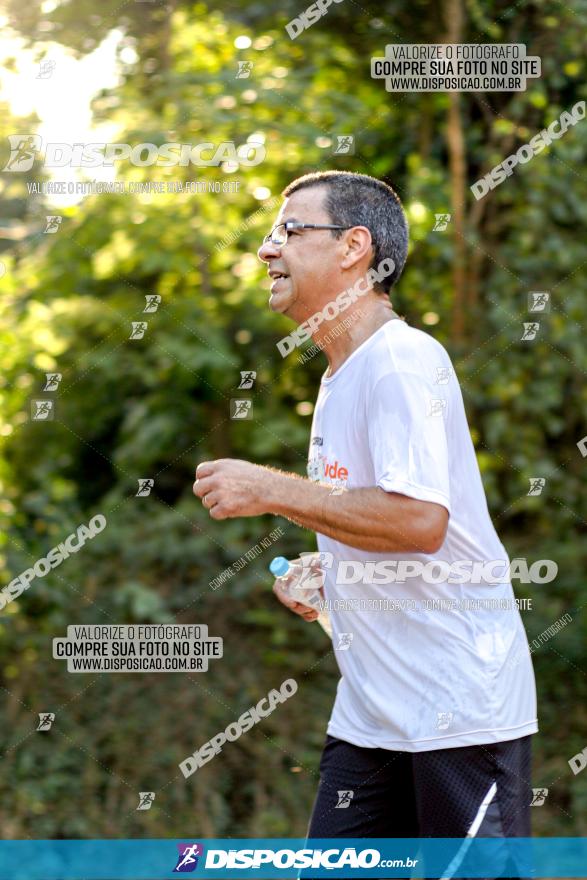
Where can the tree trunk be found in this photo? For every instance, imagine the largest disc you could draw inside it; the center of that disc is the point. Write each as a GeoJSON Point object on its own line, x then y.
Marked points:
{"type": "Point", "coordinates": [454, 17]}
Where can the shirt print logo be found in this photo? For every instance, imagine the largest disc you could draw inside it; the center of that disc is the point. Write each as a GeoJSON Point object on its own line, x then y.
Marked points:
{"type": "Point", "coordinates": [320, 469]}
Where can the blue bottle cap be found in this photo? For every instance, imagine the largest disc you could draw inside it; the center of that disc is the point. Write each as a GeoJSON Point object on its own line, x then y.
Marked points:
{"type": "Point", "coordinates": [279, 566]}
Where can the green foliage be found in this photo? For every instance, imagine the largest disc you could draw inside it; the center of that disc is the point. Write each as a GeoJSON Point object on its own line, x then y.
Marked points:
{"type": "Point", "coordinates": [156, 407]}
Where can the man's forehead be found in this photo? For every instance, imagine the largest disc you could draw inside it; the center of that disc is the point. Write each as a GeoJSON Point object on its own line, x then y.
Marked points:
{"type": "Point", "coordinates": [305, 204]}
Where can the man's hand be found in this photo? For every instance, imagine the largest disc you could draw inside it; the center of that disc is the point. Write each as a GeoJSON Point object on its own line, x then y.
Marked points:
{"type": "Point", "coordinates": [280, 587]}
{"type": "Point", "coordinates": [230, 487]}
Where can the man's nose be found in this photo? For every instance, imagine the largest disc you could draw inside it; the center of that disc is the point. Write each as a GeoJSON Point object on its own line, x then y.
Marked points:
{"type": "Point", "coordinates": [268, 251]}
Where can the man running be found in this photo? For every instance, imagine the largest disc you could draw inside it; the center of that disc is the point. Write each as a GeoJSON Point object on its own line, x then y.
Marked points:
{"type": "Point", "coordinates": [434, 711]}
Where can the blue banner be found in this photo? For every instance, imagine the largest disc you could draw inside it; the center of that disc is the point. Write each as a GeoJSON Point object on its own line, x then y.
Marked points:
{"type": "Point", "coordinates": [227, 859]}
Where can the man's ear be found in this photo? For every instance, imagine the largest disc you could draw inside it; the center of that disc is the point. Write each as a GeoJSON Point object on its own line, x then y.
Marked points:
{"type": "Point", "coordinates": [356, 245]}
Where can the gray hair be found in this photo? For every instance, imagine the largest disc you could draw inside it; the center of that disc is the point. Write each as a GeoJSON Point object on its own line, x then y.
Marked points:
{"type": "Point", "coordinates": [360, 200]}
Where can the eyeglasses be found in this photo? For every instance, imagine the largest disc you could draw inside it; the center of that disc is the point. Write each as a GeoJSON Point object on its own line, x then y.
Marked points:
{"type": "Point", "coordinates": [278, 234]}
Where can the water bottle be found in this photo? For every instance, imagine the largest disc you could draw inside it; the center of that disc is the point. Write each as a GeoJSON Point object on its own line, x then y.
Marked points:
{"type": "Point", "coordinates": [302, 583]}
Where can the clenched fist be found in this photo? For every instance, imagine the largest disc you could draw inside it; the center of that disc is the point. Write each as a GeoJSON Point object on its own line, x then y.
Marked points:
{"type": "Point", "coordinates": [230, 487]}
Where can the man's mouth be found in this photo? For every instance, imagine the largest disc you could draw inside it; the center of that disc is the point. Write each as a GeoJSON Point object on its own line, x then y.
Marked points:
{"type": "Point", "coordinates": [276, 279]}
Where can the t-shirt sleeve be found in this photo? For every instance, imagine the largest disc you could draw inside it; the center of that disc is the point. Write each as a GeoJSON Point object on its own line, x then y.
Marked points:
{"type": "Point", "coordinates": [407, 427]}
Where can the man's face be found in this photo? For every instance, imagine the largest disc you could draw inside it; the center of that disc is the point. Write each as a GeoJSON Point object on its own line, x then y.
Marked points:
{"type": "Point", "coordinates": [310, 260]}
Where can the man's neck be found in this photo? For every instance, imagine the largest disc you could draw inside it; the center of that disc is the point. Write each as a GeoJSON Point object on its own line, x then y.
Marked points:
{"type": "Point", "coordinates": [365, 319]}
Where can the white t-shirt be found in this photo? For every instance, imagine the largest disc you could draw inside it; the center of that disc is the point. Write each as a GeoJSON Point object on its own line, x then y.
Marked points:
{"type": "Point", "coordinates": [425, 676]}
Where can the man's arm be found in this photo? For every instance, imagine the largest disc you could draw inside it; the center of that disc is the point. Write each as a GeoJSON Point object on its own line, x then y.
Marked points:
{"type": "Point", "coordinates": [369, 518]}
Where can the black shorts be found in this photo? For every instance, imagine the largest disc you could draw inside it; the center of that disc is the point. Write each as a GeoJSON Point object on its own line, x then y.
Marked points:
{"type": "Point", "coordinates": [482, 790]}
